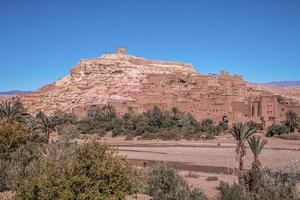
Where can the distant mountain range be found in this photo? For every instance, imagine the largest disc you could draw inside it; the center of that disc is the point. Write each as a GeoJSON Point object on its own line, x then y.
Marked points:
{"type": "Point", "coordinates": [294, 84]}
{"type": "Point", "coordinates": [12, 92]}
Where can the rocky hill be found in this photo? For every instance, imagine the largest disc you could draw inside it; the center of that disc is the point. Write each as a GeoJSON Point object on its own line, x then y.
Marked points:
{"type": "Point", "coordinates": [109, 78]}
{"type": "Point", "coordinates": [129, 81]}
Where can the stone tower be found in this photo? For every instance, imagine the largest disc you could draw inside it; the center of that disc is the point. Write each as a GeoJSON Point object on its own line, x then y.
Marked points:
{"type": "Point", "coordinates": [121, 50]}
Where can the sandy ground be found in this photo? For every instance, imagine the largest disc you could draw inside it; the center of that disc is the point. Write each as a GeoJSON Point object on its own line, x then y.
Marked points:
{"type": "Point", "coordinates": [204, 158]}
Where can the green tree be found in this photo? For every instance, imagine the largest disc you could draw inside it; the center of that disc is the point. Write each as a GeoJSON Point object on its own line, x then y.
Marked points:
{"type": "Point", "coordinates": [241, 132]}
{"type": "Point", "coordinates": [99, 120]}
{"type": "Point", "coordinates": [291, 120]}
{"type": "Point", "coordinates": [156, 117]}
{"type": "Point", "coordinates": [12, 110]}
{"type": "Point", "coordinates": [45, 124]}
{"type": "Point", "coordinates": [256, 145]}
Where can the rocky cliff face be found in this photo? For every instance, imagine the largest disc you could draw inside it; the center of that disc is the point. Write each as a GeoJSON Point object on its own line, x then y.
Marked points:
{"type": "Point", "coordinates": [129, 81]}
{"type": "Point", "coordinates": [109, 78]}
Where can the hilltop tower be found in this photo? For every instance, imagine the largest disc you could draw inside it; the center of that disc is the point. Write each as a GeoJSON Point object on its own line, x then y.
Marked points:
{"type": "Point", "coordinates": [121, 50]}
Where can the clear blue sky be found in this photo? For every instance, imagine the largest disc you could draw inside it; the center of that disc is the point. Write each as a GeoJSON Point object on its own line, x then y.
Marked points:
{"type": "Point", "coordinates": [41, 40]}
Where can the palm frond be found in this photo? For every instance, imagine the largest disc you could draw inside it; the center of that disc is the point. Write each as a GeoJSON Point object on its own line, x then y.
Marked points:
{"type": "Point", "coordinates": [12, 110]}
{"type": "Point", "coordinates": [241, 131]}
{"type": "Point", "coordinates": [256, 145]}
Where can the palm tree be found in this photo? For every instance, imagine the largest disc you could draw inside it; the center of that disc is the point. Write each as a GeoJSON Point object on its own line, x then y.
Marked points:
{"type": "Point", "coordinates": [256, 145]}
{"type": "Point", "coordinates": [241, 132]}
{"type": "Point", "coordinates": [291, 120]}
{"type": "Point", "coordinates": [31, 123]}
{"type": "Point", "coordinates": [45, 124]}
{"type": "Point", "coordinates": [12, 111]}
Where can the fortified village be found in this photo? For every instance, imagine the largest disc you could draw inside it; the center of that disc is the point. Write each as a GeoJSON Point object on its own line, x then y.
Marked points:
{"type": "Point", "coordinates": [124, 81]}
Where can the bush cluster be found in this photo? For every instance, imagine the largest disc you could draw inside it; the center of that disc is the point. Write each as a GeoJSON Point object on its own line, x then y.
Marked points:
{"type": "Point", "coordinates": [18, 147]}
{"type": "Point", "coordinates": [165, 183]}
{"type": "Point", "coordinates": [89, 171]}
{"type": "Point", "coordinates": [153, 124]}
{"type": "Point", "coordinates": [255, 125]}
{"type": "Point", "coordinates": [273, 186]}
{"type": "Point", "coordinates": [289, 125]}
{"type": "Point", "coordinates": [61, 169]}
{"type": "Point", "coordinates": [276, 129]}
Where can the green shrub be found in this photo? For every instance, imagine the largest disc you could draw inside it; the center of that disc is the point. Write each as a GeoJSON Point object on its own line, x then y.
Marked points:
{"type": "Point", "coordinates": [68, 131]}
{"type": "Point", "coordinates": [255, 125]}
{"type": "Point", "coordinates": [156, 117]}
{"type": "Point", "coordinates": [196, 194]}
{"type": "Point", "coordinates": [223, 126]}
{"type": "Point", "coordinates": [154, 124]}
{"type": "Point", "coordinates": [12, 136]}
{"type": "Point", "coordinates": [61, 118]}
{"type": "Point", "coordinates": [277, 185]}
{"type": "Point", "coordinates": [18, 148]}
{"type": "Point", "coordinates": [99, 120]}
{"type": "Point", "coordinates": [232, 192]}
{"type": "Point", "coordinates": [21, 160]}
{"type": "Point", "coordinates": [208, 128]}
{"type": "Point", "coordinates": [119, 127]}
{"type": "Point", "coordinates": [186, 120]}
{"type": "Point", "coordinates": [276, 129]}
{"type": "Point", "coordinates": [272, 185]}
{"type": "Point", "coordinates": [165, 183]}
{"type": "Point", "coordinates": [207, 125]}
{"type": "Point", "coordinates": [91, 171]}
